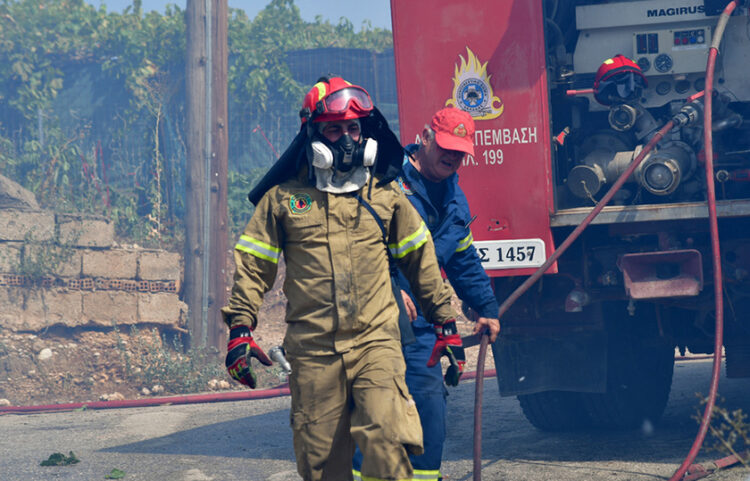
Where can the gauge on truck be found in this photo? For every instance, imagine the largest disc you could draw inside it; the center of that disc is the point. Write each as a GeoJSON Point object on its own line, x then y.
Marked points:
{"type": "Point", "coordinates": [663, 63]}
{"type": "Point", "coordinates": [644, 63]}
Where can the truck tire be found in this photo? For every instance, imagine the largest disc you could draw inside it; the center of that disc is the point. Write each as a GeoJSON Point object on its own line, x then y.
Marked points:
{"type": "Point", "coordinates": [639, 378]}
{"type": "Point", "coordinates": [555, 410]}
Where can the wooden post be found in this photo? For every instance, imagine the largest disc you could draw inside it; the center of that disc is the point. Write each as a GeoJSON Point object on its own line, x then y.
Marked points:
{"type": "Point", "coordinates": [206, 203]}
{"type": "Point", "coordinates": [195, 87]}
{"type": "Point", "coordinates": [216, 335]}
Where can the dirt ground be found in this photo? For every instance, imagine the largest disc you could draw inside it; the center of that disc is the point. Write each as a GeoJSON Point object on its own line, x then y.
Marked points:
{"type": "Point", "coordinates": [83, 365]}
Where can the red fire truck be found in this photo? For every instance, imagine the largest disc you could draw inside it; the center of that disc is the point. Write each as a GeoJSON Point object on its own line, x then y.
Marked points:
{"type": "Point", "coordinates": [559, 117]}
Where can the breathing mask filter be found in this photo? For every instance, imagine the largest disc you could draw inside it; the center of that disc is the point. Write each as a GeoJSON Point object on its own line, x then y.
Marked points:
{"type": "Point", "coordinates": [344, 154]}
{"type": "Point", "coordinates": [341, 166]}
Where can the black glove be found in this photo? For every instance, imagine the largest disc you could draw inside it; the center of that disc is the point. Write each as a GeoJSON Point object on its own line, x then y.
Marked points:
{"type": "Point", "coordinates": [448, 343]}
{"type": "Point", "coordinates": [240, 349]}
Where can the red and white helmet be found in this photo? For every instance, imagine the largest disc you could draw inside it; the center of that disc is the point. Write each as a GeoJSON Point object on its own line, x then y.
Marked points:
{"type": "Point", "coordinates": [335, 99]}
{"type": "Point", "coordinates": [618, 77]}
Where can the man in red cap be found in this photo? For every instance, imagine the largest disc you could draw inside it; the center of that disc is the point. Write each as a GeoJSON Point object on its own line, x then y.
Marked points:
{"type": "Point", "coordinates": [430, 182]}
{"type": "Point", "coordinates": [444, 144]}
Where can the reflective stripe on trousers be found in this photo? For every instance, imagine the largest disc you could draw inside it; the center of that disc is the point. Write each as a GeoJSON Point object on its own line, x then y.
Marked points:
{"type": "Point", "coordinates": [419, 475]}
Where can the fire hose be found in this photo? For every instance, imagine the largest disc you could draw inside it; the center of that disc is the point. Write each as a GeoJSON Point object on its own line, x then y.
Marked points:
{"type": "Point", "coordinates": [716, 257]}
{"type": "Point", "coordinates": [282, 390]}
{"type": "Point", "coordinates": [716, 261]}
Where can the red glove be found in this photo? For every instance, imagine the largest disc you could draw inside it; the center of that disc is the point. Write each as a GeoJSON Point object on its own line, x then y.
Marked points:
{"type": "Point", "coordinates": [240, 349]}
{"type": "Point", "coordinates": [448, 343]}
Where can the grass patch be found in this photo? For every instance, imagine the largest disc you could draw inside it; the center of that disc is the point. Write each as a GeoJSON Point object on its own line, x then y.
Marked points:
{"type": "Point", "coordinates": [151, 359]}
{"type": "Point", "coordinates": [728, 431]}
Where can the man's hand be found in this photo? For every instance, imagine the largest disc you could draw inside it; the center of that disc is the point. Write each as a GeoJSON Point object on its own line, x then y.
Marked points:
{"type": "Point", "coordinates": [240, 349]}
{"type": "Point", "coordinates": [490, 324]}
{"type": "Point", "coordinates": [448, 343]}
{"type": "Point", "coordinates": [411, 309]}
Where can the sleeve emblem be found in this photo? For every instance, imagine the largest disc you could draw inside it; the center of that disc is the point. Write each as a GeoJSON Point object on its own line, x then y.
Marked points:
{"type": "Point", "coordinates": [405, 187]}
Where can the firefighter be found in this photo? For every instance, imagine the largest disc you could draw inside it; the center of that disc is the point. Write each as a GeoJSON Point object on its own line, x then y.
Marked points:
{"type": "Point", "coordinates": [430, 182]}
{"type": "Point", "coordinates": [348, 374]}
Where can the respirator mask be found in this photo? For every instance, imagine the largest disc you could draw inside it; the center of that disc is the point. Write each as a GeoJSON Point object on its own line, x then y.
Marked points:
{"type": "Point", "coordinates": [341, 166]}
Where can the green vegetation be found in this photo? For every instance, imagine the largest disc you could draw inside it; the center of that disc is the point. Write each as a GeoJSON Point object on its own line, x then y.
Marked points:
{"type": "Point", "coordinates": [178, 370]}
{"type": "Point", "coordinates": [42, 260]}
{"type": "Point", "coordinates": [115, 474]}
{"type": "Point", "coordinates": [240, 210]}
{"type": "Point", "coordinates": [92, 104]}
{"type": "Point", "coordinates": [59, 459]}
{"type": "Point", "coordinates": [728, 431]}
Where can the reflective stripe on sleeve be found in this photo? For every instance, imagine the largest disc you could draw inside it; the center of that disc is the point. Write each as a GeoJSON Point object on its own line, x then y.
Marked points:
{"type": "Point", "coordinates": [411, 243]}
{"type": "Point", "coordinates": [465, 243]}
{"type": "Point", "coordinates": [258, 249]}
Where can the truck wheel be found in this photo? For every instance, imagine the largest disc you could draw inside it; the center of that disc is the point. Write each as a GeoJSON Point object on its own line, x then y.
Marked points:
{"type": "Point", "coordinates": [554, 410]}
{"type": "Point", "coordinates": [639, 378]}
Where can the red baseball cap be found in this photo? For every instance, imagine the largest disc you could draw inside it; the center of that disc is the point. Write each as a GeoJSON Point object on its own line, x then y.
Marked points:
{"type": "Point", "coordinates": [454, 130]}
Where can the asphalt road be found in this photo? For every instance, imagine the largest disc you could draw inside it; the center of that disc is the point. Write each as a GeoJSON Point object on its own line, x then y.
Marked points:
{"type": "Point", "coordinates": [251, 440]}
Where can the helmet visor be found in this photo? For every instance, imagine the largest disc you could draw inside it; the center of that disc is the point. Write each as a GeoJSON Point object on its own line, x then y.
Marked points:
{"type": "Point", "coordinates": [345, 99]}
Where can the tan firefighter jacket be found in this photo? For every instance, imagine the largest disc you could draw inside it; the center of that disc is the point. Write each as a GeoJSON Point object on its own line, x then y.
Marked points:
{"type": "Point", "coordinates": [337, 280]}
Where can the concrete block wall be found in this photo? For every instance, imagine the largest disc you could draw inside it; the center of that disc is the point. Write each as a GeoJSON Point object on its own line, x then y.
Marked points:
{"type": "Point", "coordinates": [67, 270]}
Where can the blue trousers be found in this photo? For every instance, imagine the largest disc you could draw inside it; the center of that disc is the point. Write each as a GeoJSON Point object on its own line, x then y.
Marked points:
{"type": "Point", "coordinates": [428, 390]}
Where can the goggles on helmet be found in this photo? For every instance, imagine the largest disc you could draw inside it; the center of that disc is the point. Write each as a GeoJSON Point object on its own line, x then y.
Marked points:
{"type": "Point", "coordinates": [349, 98]}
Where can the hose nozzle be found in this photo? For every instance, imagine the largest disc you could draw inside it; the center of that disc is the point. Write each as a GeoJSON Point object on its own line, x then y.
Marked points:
{"type": "Point", "coordinates": [690, 113]}
{"type": "Point", "coordinates": [277, 354]}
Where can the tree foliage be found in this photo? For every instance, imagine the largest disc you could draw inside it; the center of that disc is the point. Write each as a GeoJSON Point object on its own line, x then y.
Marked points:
{"type": "Point", "coordinates": [92, 102]}
{"type": "Point", "coordinates": [260, 46]}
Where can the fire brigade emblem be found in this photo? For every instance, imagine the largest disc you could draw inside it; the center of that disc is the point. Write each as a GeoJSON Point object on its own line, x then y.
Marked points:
{"type": "Point", "coordinates": [405, 187]}
{"type": "Point", "coordinates": [472, 91]}
{"type": "Point", "coordinates": [460, 130]}
{"type": "Point", "coordinates": [300, 203]}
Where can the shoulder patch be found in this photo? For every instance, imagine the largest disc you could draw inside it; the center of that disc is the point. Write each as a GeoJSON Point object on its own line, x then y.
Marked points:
{"type": "Point", "coordinates": [405, 187]}
{"type": "Point", "coordinates": [300, 203]}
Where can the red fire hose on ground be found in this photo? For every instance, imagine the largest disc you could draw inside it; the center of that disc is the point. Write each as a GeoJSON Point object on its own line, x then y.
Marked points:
{"type": "Point", "coordinates": [278, 391]}
{"type": "Point", "coordinates": [282, 390]}
{"type": "Point", "coordinates": [716, 261]}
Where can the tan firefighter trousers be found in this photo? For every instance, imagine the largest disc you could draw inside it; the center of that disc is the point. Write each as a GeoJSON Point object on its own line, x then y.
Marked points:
{"type": "Point", "coordinates": [358, 396]}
